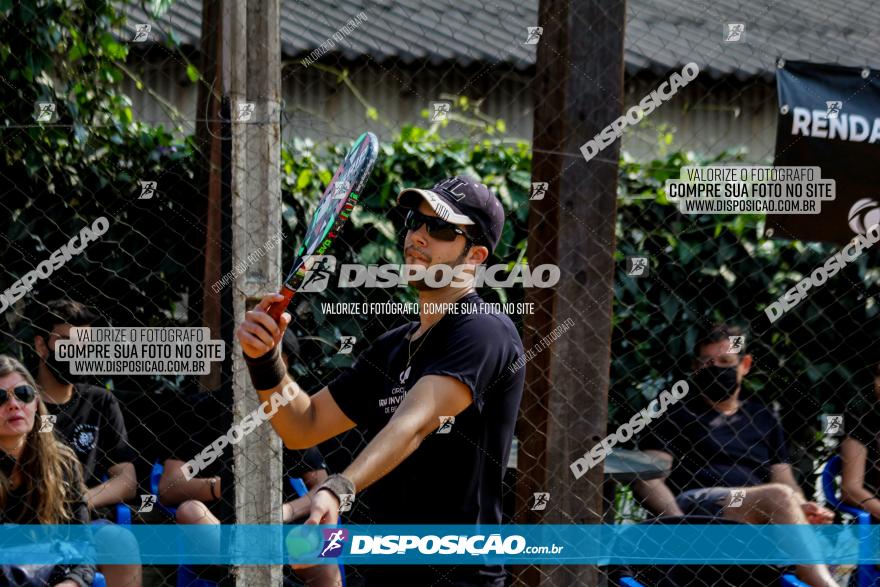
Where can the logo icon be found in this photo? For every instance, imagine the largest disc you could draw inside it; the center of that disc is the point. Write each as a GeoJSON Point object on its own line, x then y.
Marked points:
{"type": "Point", "coordinates": [141, 33]}
{"type": "Point", "coordinates": [147, 503]}
{"type": "Point", "coordinates": [148, 190]}
{"type": "Point", "coordinates": [446, 423]}
{"type": "Point", "coordinates": [832, 108]}
{"type": "Point", "coordinates": [736, 497]}
{"type": "Point", "coordinates": [47, 423]}
{"type": "Point", "coordinates": [334, 542]}
{"type": "Point", "coordinates": [541, 500]}
{"type": "Point", "coordinates": [539, 189]}
{"type": "Point", "coordinates": [864, 214]}
{"type": "Point", "coordinates": [346, 500]}
{"type": "Point", "coordinates": [319, 268]}
{"type": "Point", "coordinates": [341, 189]}
{"type": "Point", "coordinates": [832, 424]}
{"type": "Point", "coordinates": [440, 111]}
{"type": "Point", "coordinates": [734, 32]}
{"type": "Point", "coordinates": [404, 375]}
{"type": "Point", "coordinates": [736, 344]}
{"type": "Point", "coordinates": [346, 345]}
{"type": "Point", "coordinates": [637, 266]}
{"type": "Point", "coordinates": [246, 111]}
{"type": "Point", "coordinates": [534, 35]}
{"type": "Point", "coordinates": [45, 112]}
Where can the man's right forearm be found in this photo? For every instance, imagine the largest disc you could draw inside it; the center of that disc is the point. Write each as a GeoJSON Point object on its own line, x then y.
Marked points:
{"type": "Point", "coordinates": [656, 497]}
{"type": "Point", "coordinates": [293, 415]}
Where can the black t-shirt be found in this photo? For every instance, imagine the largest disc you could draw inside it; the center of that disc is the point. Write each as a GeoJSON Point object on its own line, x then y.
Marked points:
{"type": "Point", "coordinates": [453, 477]}
{"type": "Point", "coordinates": [91, 424]}
{"type": "Point", "coordinates": [711, 449]}
{"type": "Point", "coordinates": [864, 426]}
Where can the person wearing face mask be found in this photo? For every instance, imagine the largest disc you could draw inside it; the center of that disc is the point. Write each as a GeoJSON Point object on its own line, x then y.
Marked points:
{"type": "Point", "coordinates": [727, 453]}
{"type": "Point", "coordinates": [89, 420]}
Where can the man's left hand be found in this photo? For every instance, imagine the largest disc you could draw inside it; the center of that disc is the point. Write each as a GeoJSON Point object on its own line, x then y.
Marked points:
{"type": "Point", "coordinates": [816, 514]}
{"type": "Point", "coordinates": [324, 511]}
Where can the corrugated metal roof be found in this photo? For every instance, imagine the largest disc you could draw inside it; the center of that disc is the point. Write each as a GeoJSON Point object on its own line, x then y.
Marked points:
{"type": "Point", "coordinates": [660, 35]}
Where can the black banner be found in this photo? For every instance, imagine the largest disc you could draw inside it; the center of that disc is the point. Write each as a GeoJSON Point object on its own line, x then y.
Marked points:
{"type": "Point", "coordinates": [829, 116]}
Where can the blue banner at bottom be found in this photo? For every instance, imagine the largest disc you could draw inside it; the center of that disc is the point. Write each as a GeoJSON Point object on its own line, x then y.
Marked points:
{"type": "Point", "coordinates": [417, 545]}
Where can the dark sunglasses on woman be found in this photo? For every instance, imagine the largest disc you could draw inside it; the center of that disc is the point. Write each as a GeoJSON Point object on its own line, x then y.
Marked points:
{"type": "Point", "coordinates": [25, 394]}
{"type": "Point", "coordinates": [437, 227]}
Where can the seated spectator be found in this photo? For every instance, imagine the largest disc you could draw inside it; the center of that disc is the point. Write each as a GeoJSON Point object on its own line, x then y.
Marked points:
{"type": "Point", "coordinates": [728, 455]}
{"type": "Point", "coordinates": [89, 420]}
{"type": "Point", "coordinates": [198, 499]}
{"type": "Point", "coordinates": [860, 452]}
{"type": "Point", "coordinates": [40, 477]}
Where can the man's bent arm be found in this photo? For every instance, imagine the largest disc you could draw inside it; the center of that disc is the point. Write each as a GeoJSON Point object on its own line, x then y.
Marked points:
{"type": "Point", "coordinates": [121, 485]}
{"type": "Point", "coordinates": [432, 397]}
{"type": "Point", "coordinates": [654, 494]}
{"type": "Point", "coordinates": [304, 421]}
{"type": "Point", "coordinates": [300, 421]}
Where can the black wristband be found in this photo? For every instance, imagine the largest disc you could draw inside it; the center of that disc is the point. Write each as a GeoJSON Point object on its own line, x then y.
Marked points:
{"type": "Point", "coordinates": [267, 371]}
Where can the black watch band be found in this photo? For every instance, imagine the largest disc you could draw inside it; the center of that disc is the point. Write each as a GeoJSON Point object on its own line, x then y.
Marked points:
{"type": "Point", "coordinates": [338, 485]}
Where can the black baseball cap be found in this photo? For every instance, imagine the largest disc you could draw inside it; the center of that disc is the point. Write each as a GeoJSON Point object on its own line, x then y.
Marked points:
{"type": "Point", "coordinates": [462, 200]}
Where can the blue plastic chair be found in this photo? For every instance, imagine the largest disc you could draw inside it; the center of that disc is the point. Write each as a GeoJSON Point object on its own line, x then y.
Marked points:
{"type": "Point", "coordinates": [99, 581]}
{"type": "Point", "coordinates": [867, 574]}
{"type": "Point", "coordinates": [689, 574]}
{"type": "Point", "coordinates": [787, 580]}
{"type": "Point", "coordinates": [186, 576]}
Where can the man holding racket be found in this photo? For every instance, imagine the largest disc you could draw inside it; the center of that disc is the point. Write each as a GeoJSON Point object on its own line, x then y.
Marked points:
{"type": "Point", "coordinates": [410, 381]}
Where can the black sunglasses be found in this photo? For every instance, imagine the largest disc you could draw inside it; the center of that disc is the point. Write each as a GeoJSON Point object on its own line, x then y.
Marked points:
{"type": "Point", "coordinates": [25, 394]}
{"type": "Point", "coordinates": [436, 227]}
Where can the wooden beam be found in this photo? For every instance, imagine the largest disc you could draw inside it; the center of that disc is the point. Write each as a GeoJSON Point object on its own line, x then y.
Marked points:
{"type": "Point", "coordinates": [578, 91]}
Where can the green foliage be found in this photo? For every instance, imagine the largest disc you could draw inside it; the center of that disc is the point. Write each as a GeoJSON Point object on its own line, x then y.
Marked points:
{"type": "Point", "coordinates": [62, 175]}
{"type": "Point", "coordinates": [710, 268]}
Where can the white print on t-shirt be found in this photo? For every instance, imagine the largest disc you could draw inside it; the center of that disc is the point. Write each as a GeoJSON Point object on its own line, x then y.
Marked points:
{"type": "Point", "coordinates": [84, 436]}
{"type": "Point", "coordinates": [390, 403]}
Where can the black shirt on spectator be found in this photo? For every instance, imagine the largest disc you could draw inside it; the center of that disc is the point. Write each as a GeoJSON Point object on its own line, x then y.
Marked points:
{"type": "Point", "coordinates": [91, 424]}
{"type": "Point", "coordinates": [714, 450]}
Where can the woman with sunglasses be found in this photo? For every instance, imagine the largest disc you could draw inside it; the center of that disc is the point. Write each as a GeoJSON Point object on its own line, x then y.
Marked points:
{"type": "Point", "coordinates": [40, 478]}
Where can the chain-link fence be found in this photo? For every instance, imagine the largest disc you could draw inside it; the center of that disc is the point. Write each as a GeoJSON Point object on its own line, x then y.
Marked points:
{"type": "Point", "coordinates": [133, 113]}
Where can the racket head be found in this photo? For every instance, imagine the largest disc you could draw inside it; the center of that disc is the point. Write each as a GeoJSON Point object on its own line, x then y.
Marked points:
{"type": "Point", "coordinates": [332, 212]}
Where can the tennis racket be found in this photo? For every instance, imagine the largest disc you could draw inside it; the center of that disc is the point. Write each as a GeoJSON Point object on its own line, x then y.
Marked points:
{"type": "Point", "coordinates": [339, 199]}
